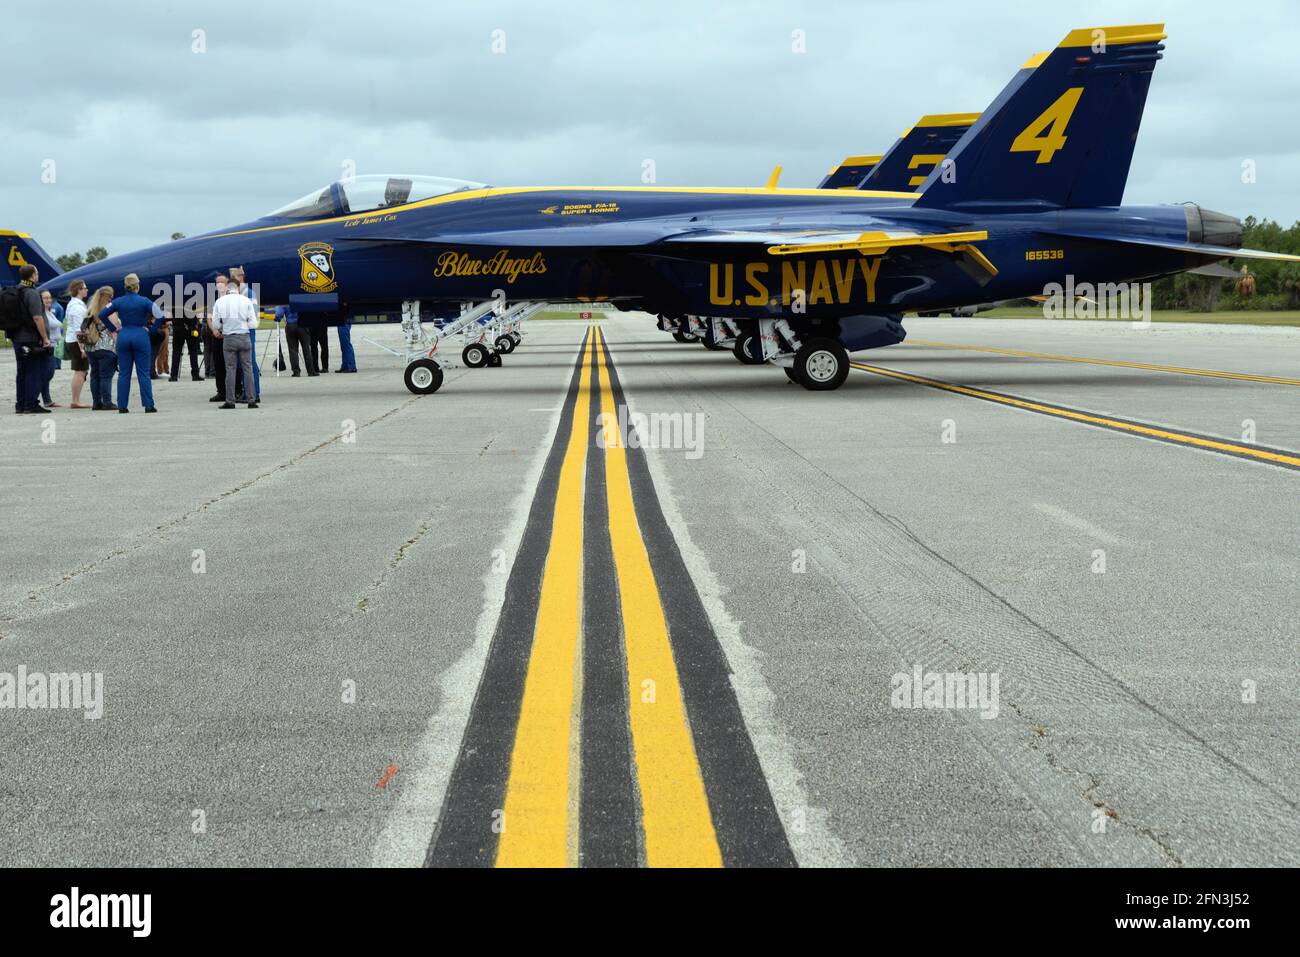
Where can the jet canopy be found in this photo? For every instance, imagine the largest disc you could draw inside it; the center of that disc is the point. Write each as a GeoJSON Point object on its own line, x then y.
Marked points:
{"type": "Point", "coordinates": [364, 194]}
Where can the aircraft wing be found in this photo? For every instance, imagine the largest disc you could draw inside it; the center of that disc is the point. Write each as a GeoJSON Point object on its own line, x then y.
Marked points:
{"type": "Point", "coordinates": [794, 242]}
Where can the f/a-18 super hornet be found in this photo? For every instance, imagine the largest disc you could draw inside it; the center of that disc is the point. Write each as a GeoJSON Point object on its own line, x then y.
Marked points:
{"type": "Point", "coordinates": [1030, 195]}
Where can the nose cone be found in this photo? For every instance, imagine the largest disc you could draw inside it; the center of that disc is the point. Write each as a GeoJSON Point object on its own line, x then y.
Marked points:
{"type": "Point", "coordinates": [1213, 229]}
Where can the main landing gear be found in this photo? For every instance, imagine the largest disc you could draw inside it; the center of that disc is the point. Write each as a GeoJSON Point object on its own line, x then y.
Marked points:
{"type": "Point", "coordinates": [486, 330]}
{"type": "Point", "coordinates": [819, 363]}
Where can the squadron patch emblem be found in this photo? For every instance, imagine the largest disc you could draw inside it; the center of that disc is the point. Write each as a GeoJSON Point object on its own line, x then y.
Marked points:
{"type": "Point", "coordinates": [317, 267]}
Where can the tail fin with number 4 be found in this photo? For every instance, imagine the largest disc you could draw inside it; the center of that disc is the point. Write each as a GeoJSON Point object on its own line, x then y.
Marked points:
{"type": "Point", "coordinates": [1062, 138]}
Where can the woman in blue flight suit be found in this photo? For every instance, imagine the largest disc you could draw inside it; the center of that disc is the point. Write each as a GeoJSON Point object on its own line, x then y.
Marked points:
{"type": "Point", "coordinates": [132, 316]}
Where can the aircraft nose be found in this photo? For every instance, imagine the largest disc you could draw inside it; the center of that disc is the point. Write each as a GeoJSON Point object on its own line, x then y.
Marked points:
{"type": "Point", "coordinates": [1213, 229]}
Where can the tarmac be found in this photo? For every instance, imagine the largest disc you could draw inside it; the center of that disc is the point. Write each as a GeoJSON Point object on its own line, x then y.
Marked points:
{"type": "Point", "coordinates": [357, 626]}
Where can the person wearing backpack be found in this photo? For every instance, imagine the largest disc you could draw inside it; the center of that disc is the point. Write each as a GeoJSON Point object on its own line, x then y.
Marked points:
{"type": "Point", "coordinates": [22, 318]}
{"type": "Point", "coordinates": [101, 351]}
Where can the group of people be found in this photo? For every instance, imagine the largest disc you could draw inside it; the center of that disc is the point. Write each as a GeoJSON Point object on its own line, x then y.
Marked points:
{"type": "Point", "coordinates": [102, 335]}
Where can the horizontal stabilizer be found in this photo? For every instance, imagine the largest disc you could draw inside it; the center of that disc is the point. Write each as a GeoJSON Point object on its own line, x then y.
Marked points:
{"type": "Point", "coordinates": [1210, 252]}
{"type": "Point", "coordinates": [1216, 271]}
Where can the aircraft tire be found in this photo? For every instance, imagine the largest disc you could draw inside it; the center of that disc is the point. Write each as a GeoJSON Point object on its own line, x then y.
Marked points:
{"type": "Point", "coordinates": [685, 337]}
{"type": "Point", "coordinates": [475, 355]}
{"type": "Point", "coordinates": [791, 375]}
{"type": "Point", "coordinates": [494, 360]}
{"type": "Point", "coordinates": [505, 344]}
{"type": "Point", "coordinates": [741, 350]}
{"type": "Point", "coordinates": [821, 365]}
{"type": "Point", "coordinates": [423, 377]}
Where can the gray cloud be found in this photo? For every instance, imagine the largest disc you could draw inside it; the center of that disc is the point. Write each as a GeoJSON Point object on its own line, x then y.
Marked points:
{"type": "Point", "coordinates": [150, 137]}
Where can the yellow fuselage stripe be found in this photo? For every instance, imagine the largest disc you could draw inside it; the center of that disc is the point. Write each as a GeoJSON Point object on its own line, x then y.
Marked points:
{"type": "Point", "coordinates": [491, 192]}
{"type": "Point", "coordinates": [677, 823]}
{"type": "Point", "coordinates": [541, 789]}
{"type": "Point", "coordinates": [1212, 373]}
{"type": "Point", "coordinates": [1119, 424]}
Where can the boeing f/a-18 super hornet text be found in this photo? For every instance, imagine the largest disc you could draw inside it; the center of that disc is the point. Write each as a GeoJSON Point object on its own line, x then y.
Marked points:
{"type": "Point", "coordinates": [1029, 194]}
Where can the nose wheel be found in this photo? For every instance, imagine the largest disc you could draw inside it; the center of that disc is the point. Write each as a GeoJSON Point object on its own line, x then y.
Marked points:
{"type": "Point", "coordinates": [423, 377]}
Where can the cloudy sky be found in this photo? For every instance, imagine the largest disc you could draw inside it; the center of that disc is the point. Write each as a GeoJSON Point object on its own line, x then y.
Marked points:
{"type": "Point", "coordinates": [148, 127]}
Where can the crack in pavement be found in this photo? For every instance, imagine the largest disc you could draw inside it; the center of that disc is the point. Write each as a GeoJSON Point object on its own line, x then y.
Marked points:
{"type": "Point", "coordinates": [1035, 730]}
{"type": "Point", "coordinates": [30, 604]}
{"type": "Point", "coordinates": [363, 603]}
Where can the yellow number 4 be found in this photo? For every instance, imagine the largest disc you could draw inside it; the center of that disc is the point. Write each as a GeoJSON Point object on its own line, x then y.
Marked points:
{"type": "Point", "coordinates": [1034, 140]}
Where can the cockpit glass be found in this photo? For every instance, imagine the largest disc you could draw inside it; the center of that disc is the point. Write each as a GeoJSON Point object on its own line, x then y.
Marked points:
{"type": "Point", "coordinates": [365, 194]}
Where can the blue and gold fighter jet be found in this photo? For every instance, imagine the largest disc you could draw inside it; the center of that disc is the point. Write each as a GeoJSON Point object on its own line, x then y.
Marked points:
{"type": "Point", "coordinates": [1030, 194]}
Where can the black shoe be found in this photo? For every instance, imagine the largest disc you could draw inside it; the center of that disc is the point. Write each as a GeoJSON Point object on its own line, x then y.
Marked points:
{"type": "Point", "coordinates": [124, 411]}
{"type": "Point", "coordinates": [217, 398]}
{"type": "Point", "coordinates": [313, 375]}
{"type": "Point", "coordinates": [39, 410]}
{"type": "Point", "coordinates": [196, 378]}
{"type": "Point", "coordinates": [226, 405]}
{"type": "Point", "coordinates": [295, 375]}
{"type": "Point", "coordinates": [150, 408]}
{"type": "Point", "coordinates": [172, 378]}
{"type": "Point", "coordinates": [252, 405]}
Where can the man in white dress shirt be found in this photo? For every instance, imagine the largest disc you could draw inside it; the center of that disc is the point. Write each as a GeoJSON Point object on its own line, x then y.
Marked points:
{"type": "Point", "coordinates": [233, 316]}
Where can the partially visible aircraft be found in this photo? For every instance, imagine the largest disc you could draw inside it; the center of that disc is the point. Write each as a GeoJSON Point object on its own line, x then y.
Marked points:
{"type": "Point", "coordinates": [1029, 194]}
{"type": "Point", "coordinates": [21, 250]}
{"type": "Point", "coordinates": [907, 163]}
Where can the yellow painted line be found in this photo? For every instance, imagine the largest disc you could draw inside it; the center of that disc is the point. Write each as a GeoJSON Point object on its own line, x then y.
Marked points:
{"type": "Point", "coordinates": [1121, 425]}
{"type": "Point", "coordinates": [1151, 366]}
{"type": "Point", "coordinates": [494, 191]}
{"type": "Point", "coordinates": [543, 768]}
{"type": "Point", "coordinates": [675, 813]}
